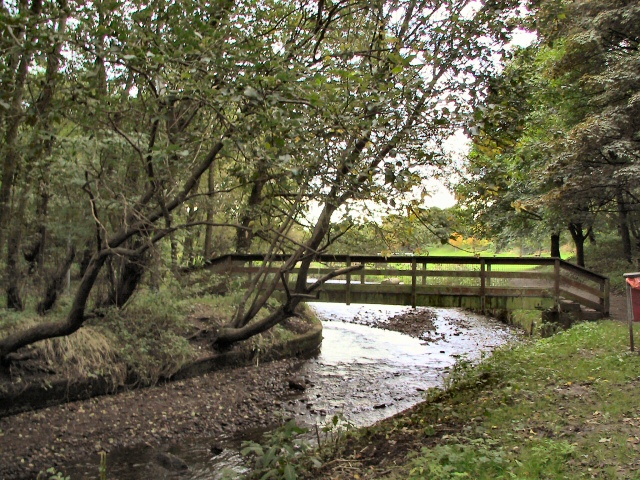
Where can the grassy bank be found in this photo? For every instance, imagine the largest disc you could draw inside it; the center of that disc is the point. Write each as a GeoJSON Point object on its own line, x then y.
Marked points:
{"type": "Point", "coordinates": [563, 407]}
{"type": "Point", "coordinates": [152, 337]}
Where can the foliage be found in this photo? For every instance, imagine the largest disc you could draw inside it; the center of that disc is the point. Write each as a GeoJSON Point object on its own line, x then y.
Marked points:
{"type": "Point", "coordinates": [555, 147]}
{"type": "Point", "coordinates": [607, 257]}
{"type": "Point", "coordinates": [288, 452]}
{"type": "Point", "coordinates": [335, 430]}
{"type": "Point", "coordinates": [150, 336]}
{"type": "Point", "coordinates": [276, 458]}
{"type": "Point", "coordinates": [485, 459]}
{"type": "Point", "coordinates": [52, 474]}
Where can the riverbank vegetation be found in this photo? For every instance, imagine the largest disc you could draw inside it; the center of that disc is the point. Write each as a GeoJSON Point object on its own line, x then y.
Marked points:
{"type": "Point", "coordinates": [157, 334]}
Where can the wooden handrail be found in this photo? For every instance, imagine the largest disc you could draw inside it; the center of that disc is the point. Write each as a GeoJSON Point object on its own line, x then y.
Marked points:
{"type": "Point", "coordinates": [484, 274]}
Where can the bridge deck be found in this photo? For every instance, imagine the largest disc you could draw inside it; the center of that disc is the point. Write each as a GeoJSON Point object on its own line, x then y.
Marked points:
{"type": "Point", "coordinates": [472, 282]}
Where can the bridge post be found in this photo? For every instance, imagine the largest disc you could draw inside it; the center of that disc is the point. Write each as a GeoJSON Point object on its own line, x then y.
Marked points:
{"type": "Point", "coordinates": [483, 280]}
{"type": "Point", "coordinates": [348, 291]}
{"type": "Point", "coordinates": [413, 282]}
{"type": "Point", "coordinates": [424, 273]}
{"type": "Point", "coordinates": [556, 284]}
{"type": "Point", "coordinates": [605, 289]}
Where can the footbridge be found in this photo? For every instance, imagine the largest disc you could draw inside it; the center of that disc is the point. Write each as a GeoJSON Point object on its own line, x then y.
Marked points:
{"type": "Point", "coordinates": [481, 283]}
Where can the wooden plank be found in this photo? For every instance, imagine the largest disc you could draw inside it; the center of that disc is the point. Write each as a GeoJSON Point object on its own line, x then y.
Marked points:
{"type": "Point", "coordinates": [248, 270]}
{"type": "Point", "coordinates": [387, 272]}
{"type": "Point", "coordinates": [596, 277]}
{"type": "Point", "coordinates": [518, 291]}
{"type": "Point", "coordinates": [523, 275]}
{"type": "Point", "coordinates": [483, 285]}
{"type": "Point", "coordinates": [564, 281]}
{"type": "Point", "coordinates": [581, 300]}
{"type": "Point", "coordinates": [413, 283]}
{"type": "Point", "coordinates": [348, 285]}
{"type": "Point", "coordinates": [556, 283]}
{"type": "Point", "coordinates": [453, 273]}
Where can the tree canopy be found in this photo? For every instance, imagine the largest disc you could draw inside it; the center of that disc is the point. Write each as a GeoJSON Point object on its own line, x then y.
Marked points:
{"type": "Point", "coordinates": [556, 147]}
{"type": "Point", "coordinates": [209, 125]}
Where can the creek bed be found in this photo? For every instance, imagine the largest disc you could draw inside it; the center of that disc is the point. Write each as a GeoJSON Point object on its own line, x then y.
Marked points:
{"type": "Point", "coordinates": [363, 374]}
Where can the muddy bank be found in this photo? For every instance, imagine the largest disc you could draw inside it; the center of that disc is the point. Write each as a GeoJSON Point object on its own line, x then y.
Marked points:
{"type": "Point", "coordinates": [418, 323]}
{"type": "Point", "coordinates": [215, 404]}
{"type": "Point", "coordinates": [37, 391]}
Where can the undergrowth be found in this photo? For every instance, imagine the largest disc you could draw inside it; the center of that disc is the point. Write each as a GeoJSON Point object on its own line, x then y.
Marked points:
{"type": "Point", "coordinates": [606, 257]}
{"type": "Point", "coordinates": [145, 341]}
{"type": "Point", "coordinates": [149, 336]}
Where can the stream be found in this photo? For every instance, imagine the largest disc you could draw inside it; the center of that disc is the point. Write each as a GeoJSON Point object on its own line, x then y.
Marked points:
{"type": "Point", "coordinates": [363, 374]}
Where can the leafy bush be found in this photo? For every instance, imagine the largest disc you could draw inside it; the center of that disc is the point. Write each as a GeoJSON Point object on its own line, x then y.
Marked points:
{"type": "Point", "coordinates": [276, 458]}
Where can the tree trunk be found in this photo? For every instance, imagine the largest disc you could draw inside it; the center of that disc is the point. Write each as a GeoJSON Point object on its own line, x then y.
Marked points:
{"type": "Point", "coordinates": [13, 273]}
{"type": "Point", "coordinates": [56, 282]}
{"type": "Point", "coordinates": [579, 237]}
{"type": "Point", "coordinates": [555, 245]}
{"type": "Point", "coordinates": [190, 235]}
{"type": "Point", "coordinates": [73, 322]}
{"type": "Point", "coordinates": [244, 236]}
{"type": "Point", "coordinates": [84, 261]}
{"type": "Point", "coordinates": [42, 212]}
{"type": "Point", "coordinates": [208, 235]}
{"type": "Point", "coordinates": [15, 118]}
{"type": "Point", "coordinates": [126, 281]}
{"type": "Point", "coordinates": [12, 289]}
{"type": "Point", "coordinates": [623, 228]}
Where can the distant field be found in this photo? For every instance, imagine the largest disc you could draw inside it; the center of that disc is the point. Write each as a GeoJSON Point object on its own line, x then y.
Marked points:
{"type": "Point", "coordinates": [450, 251]}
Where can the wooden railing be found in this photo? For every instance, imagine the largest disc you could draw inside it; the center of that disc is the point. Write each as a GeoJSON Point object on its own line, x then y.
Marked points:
{"type": "Point", "coordinates": [473, 282]}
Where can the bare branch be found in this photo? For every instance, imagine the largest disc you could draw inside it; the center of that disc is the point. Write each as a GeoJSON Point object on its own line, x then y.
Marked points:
{"type": "Point", "coordinates": [342, 271]}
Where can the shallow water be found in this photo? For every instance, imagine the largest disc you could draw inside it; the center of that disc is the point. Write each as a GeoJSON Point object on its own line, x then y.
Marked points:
{"type": "Point", "coordinates": [368, 373]}
{"type": "Point", "coordinates": [362, 373]}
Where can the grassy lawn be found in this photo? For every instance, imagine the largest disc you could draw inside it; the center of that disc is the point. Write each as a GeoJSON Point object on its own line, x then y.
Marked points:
{"type": "Point", "coordinates": [563, 407]}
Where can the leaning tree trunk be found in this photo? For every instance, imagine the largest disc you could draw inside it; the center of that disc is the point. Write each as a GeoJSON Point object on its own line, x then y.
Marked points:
{"type": "Point", "coordinates": [76, 316]}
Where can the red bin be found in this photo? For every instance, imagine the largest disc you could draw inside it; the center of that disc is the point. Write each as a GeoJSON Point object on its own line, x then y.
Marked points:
{"type": "Point", "coordinates": [634, 288]}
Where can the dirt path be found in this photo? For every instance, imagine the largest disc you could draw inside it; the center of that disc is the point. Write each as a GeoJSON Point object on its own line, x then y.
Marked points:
{"type": "Point", "coordinates": [618, 307]}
